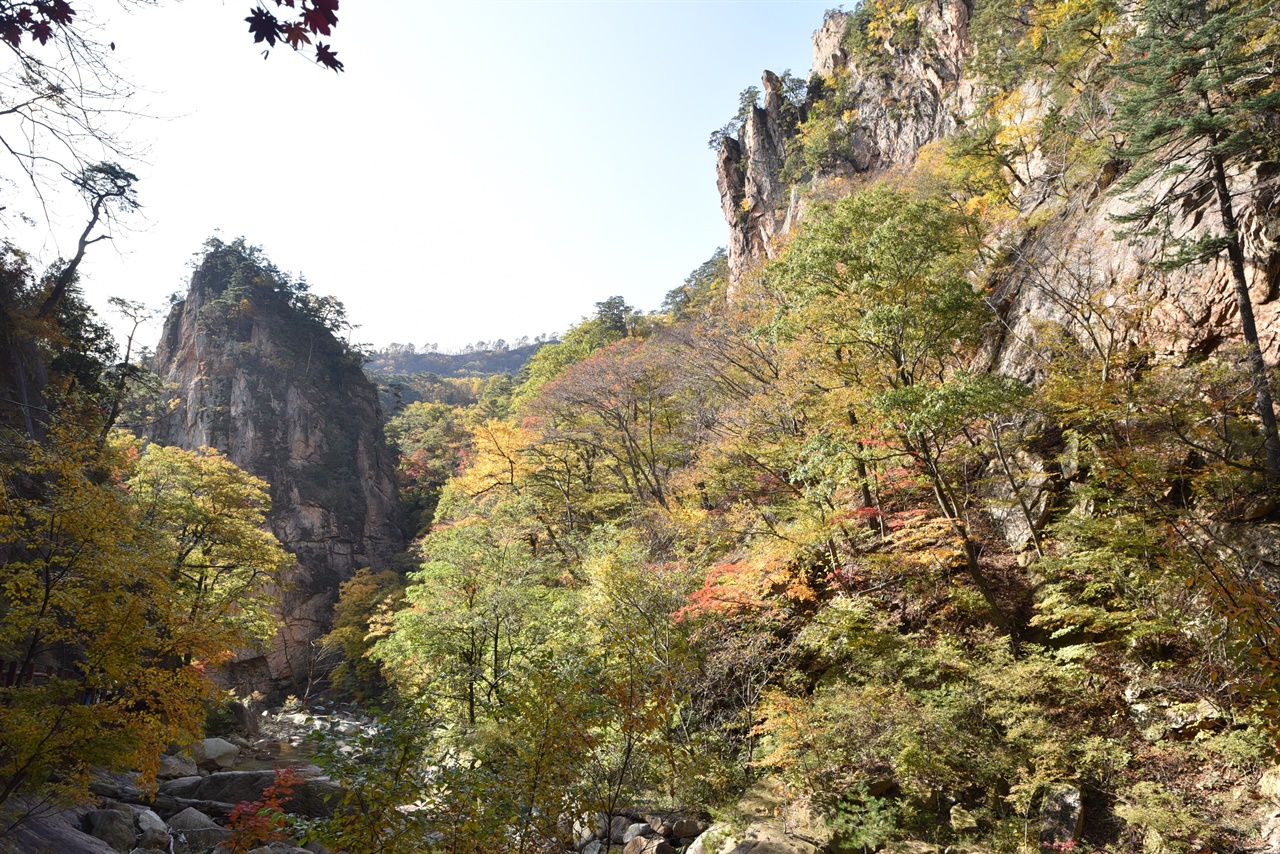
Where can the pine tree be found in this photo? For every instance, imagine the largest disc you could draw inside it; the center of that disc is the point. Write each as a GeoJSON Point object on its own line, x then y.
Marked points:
{"type": "Point", "coordinates": [1191, 99]}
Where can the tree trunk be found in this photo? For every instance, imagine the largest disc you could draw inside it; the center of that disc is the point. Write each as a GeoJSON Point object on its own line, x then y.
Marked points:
{"type": "Point", "coordinates": [1248, 326]}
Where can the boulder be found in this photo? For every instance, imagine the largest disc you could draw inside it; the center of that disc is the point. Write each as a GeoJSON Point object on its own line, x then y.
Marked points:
{"type": "Point", "coordinates": [663, 825]}
{"type": "Point", "coordinates": [760, 837]}
{"type": "Point", "coordinates": [687, 827]}
{"type": "Point", "coordinates": [618, 829]}
{"type": "Point", "coordinates": [1269, 784]}
{"type": "Point", "coordinates": [636, 829]}
{"type": "Point", "coordinates": [173, 767]}
{"type": "Point", "coordinates": [246, 723]}
{"type": "Point", "coordinates": [111, 826]}
{"type": "Point", "coordinates": [215, 753]}
{"type": "Point", "coordinates": [645, 845]}
{"type": "Point", "coordinates": [1061, 815]}
{"type": "Point", "coordinates": [312, 796]}
{"type": "Point", "coordinates": [582, 832]}
{"type": "Point", "coordinates": [147, 820]}
{"type": "Point", "coordinates": [1269, 831]}
{"type": "Point", "coordinates": [961, 819]}
{"type": "Point", "coordinates": [154, 839]}
{"type": "Point", "coordinates": [911, 846]}
{"type": "Point", "coordinates": [171, 787]}
{"type": "Point", "coordinates": [1185, 720]}
{"type": "Point", "coordinates": [194, 832]}
{"type": "Point", "coordinates": [595, 846]}
{"type": "Point", "coordinates": [53, 832]}
{"type": "Point", "coordinates": [120, 786]}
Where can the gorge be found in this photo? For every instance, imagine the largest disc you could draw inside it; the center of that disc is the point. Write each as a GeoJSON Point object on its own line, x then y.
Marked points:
{"type": "Point", "coordinates": [936, 514]}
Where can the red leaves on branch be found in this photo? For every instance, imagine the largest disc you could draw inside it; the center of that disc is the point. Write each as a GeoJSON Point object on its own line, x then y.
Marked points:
{"type": "Point", "coordinates": [257, 823]}
{"type": "Point", "coordinates": [309, 17]}
{"type": "Point", "coordinates": [34, 20]}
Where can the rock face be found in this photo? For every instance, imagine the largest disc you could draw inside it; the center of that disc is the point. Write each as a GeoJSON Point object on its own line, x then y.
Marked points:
{"type": "Point", "coordinates": [1071, 270]}
{"type": "Point", "coordinates": [909, 98]}
{"type": "Point", "coordinates": [749, 177]}
{"type": "Point", "coordinates": [261, 378]}
{"type": "Point", "coordinates": [1076, 273]}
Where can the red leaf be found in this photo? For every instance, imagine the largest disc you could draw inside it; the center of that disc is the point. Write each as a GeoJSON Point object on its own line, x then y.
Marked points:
{"type": "Point", "coordinates": [327, 58]}
{"type": "Point", "coordinates": [295, 34]}
{"type": "Point", "coordinates": [41, 31]}
{"type": "Point", "coordinates": [57, 11]}
{"type": "Point", "coordinates": [319, 20]}
{"type": "Point", "coordinates": [263, 25]}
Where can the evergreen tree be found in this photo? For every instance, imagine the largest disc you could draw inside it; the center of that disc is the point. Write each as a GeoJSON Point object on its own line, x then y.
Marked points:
{"type": "Point", "coordinates": [1191, 95]}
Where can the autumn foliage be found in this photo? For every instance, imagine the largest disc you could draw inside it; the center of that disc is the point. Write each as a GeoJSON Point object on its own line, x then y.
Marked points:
{"type": "Point", "coordinates": [295, 23]}
{"type": "Point", "coordinates": [254, 824]}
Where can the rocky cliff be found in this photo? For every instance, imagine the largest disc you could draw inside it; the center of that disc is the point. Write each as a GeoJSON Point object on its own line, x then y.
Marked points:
{"type": "Point", "coordinates": [896, 103]}
{"type": "Point", "coordinates": [911, 80]}
{"type": "Point", "coordinates": [261, 377]}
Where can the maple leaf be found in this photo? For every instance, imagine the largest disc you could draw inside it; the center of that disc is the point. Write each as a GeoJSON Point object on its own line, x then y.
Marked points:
{"type": "Point", "coordinates": [25, 16]}
{"type": "Point", "coordinates": [11, 32]}
{"type": "Point", "coordinates": [319, 19]}
{"type": "Point", "coordinates": [41, 31]}
{"type": "Point", "coordinates": [295, 34]}
{"type": "Point", "coordinates": [327, 58]}
{"type": "Point", "coordinates": [58, 11]}
{"type": "Point", "coordinates": [263, 25]}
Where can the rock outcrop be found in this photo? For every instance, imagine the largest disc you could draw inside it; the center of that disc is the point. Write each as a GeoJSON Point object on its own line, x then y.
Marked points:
{"type": "Point", "coordinates": [1064, 264]}
{"type": "Point", "coordinates": [1076, 273]}
{"type": "Point", "coordinates": [262, 379]}
{"type": "Point", "coordinates": [749, 176]}
{"type": "Point", "coordinates": [908, 98]}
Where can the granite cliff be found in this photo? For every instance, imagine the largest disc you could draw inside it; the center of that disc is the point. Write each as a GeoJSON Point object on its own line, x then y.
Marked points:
{"type": "Point", "coordinates": [260, 376]}
{"type": "Point", "coordinates": [912, 79]}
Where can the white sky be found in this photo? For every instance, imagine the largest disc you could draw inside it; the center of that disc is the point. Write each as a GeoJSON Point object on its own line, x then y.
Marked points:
{"type": "Point", "coordinates": [479, 171]}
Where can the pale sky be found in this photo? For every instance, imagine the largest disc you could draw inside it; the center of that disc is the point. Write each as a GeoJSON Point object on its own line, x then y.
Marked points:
{"type": "Point", "coordinates": [479, 171]}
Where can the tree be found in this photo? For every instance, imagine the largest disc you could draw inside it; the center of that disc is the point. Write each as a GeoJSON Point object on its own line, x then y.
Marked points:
{"type": "Point", "coordinates": [104, 186]}
{"type": "Point", "coordinates": [471, 618]}
{"type": "Point", "coordinates": [623, 404]}
{"type": "Point", "coordinates": [430, 440]}
{"type": "Point", "coordinates": [1198, 80]}
{"type": "Point", "coordinates": [111, 604]}
{"type": "Point", "coordinates": [702, 288]}
{"type": "Point", "coordinates": [613, 321]}
{"type": "Point", "coordinates": [876, 285]}
{"type": "Point", "coordinates": [366, 598]}
{"type": "Point", "coordinates": [210, 514]}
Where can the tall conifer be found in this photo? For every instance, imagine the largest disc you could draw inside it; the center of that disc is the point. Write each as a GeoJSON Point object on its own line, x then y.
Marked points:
{"type": "Point", "coordinates": [1193, 96]}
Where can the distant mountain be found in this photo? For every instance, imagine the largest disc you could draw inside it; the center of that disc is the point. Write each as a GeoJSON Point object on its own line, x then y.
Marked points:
{"type": "Point", "coordinates": [480, 363]}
